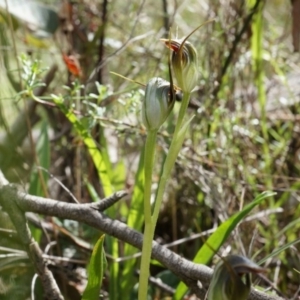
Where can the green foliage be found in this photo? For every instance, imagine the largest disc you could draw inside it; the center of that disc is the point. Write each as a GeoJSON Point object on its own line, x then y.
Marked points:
{"type": "Point", "coordinates": [88, 139]}
{"type": "Point", "coordinates": [39, 176]}
{"type": "Point", "coordinates": [90, 144]}
{"type": "Point", "coordinates": [95, 270]}
{"type": "Point", "coordinates": [37, 184]}
{"type": "Point", "coordinates": [218, 238]}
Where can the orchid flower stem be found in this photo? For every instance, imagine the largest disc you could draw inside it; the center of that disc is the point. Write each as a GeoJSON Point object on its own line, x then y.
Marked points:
{"type": "Point", "coordinates": [149, 228]}
{"type": "Point", "coordinates": [151, 219]}
{"type": "Point", "coordinates": [182, 112]}
{"type": "Point", "coordinates": [170, 159]}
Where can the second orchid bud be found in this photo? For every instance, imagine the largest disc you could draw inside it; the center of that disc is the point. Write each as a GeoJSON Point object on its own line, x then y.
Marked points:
{"type": "Point", "coordinates": [157, 104]}
{"type": "Point", "coordinates": [227, 282]}
{"type": "Point", "coordinates": [184, 62]}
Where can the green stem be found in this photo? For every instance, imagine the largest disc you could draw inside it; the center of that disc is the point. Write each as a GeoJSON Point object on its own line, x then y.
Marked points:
{"type": "Point", "coordinates": [151, 220]}
{"type": "Point", "coordinates": [149, 230]}
{"type": "Point", "coordinates": [145, 262]}
{"type": "Point", "coordinates": [182, 112]}
{"type": "Point", "coordinates": [148, 169]}
{"type": "Point", "coordinates": [170, 159]}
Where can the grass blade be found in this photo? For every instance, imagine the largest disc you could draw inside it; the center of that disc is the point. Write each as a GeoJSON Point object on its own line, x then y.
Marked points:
{"type": "Point", "coordinates": [95, 271]}
{"type": "Point", "coordinates": [43, 155]}
{"type": "Point", "coordinates": [218, 238]}
{"type": "Point", "coordinates": [90, 144]}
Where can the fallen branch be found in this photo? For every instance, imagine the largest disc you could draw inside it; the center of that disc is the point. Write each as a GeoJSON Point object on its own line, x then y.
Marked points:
{"type": "Point", "coordinates": [7, 200]}
{"type": "Point", "coordinates": [16, 203]}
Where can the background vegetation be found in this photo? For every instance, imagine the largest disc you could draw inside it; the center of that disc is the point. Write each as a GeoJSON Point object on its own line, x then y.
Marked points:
{"type": "Point", "coordinates": [244, 138]}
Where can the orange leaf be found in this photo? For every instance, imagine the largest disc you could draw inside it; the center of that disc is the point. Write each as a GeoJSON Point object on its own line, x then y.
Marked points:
{"type": "Point", "coordinates": [72, 64]}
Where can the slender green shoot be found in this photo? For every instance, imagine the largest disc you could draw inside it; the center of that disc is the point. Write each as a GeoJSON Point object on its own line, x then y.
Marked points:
{"type": "Point", "coordinates": [151, 219]}
{"type": "Point", "coordinates": [149, 228]}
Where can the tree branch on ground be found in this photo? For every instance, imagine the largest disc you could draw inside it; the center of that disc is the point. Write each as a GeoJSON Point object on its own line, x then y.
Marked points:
{"type": "Point", "coordinates": [17, 203]}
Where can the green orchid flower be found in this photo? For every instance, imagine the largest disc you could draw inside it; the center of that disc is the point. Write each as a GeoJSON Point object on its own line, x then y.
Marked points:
{"type": "Point", "coordinates": [158, 103]}
{"type": "Point", "coordinates": [231, 279]}
{"type": "Point", "coordinates": [184, 62]}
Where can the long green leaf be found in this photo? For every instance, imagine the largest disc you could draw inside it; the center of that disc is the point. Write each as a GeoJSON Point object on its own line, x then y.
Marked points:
{"type": "Point", "coordinates": [112, 245]}
{"type": "Point", "coordinates": [43, 155]}
{"type": "Point", "coordinates": [104, 175]}
{"type": "Point", "coordinates": [36, 178]}
{"type": "Point", "coordinates": [90, 144]}
{"type": "Point", "coordinates": [277, 251]}
{"type": "Point", "coordinates": [95, 271]}
{"type": "Point", "coordinates": [218, 238]}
